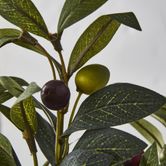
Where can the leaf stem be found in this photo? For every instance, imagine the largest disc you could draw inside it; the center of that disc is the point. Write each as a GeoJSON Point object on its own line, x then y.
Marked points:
{"type": "Point", "coordinates": [74, 108]}
{"type": "Point", "coordinates": [49, 60]}
{"type": "Point", "coordinates": [66, 143]}
{"type": "Point", "coordinates": [59, 131]}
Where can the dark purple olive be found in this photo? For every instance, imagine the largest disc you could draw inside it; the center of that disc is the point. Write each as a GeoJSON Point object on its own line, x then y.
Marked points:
{"type": "Point", "coordinates": [135, 161]}
{"type": "Point", "coordinates": [55, 95]}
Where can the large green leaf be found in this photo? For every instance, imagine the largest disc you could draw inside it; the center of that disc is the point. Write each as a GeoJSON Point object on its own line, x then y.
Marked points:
{"type": "Point", "coordinates": [17, 116]}
{"type": "Point", "coordinates": [111, 141]}
{"type": "Point", "coordinates": [8, 35]}
{"type": "Point", "coordinates": [87, 158]}
{"type": "Point", "coordinates": [149, 131]}
{"type": "Point", "coordinates": [6, 155]}
{"type": "Point", "coordinates": [25, 15]}
{"type": "Point", "coordinates": [97, 36]}
{"type": "Point", "coordinates": [150, 157]}
{"type": "Point", "coordinates": [45, 138]}
{"type": "Point", "coordinates": [116, 104]}
{"type": "Point", "coordinates": [75, 10]}
{"type": "Point", "coordinates": [161, 115]}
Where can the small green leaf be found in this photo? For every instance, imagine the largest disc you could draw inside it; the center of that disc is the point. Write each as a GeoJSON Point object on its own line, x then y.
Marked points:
{"type": "Point", "coordinates": [17, 117]}
{"type": "Point", "coordinates": [116, 104]}
{"type": "Point", "coordinates": [6, 156]}
{"type": "Point", "coordinates": [111, 141]}
{"type": "Point", "coordinates": [25, 15]}
{"type": "Point", "coordinates": [4, 97]}
{"type": "Point", "coordinates": [74, 10]}
{"type": "Point", "coordinates": [8, 35]}
{"type": "Point", "coordinates": [45, 138]}
{"type": "Point", "coordinates": [150, 157]}
{"type": "Point", "coordinates": [87, 158]}
{"type": "Point", "coordinates": [149, 131]}
{"type": "Point", "coordinates": [161, 115]}
{"type": "Point", "coordinates": [29, 91]}
{"type": "Point", "coordinates": [97, 36]}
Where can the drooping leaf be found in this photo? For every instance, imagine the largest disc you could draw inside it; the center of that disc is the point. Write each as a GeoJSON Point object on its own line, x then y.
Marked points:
{"type": "Point", "coordinates": [150, 157]}
{"type": "Point", "coordinates": [116, 104]}
{"type": "Point", "coordinates": [8, 35]}
{"type": "Point", "coordinates": [45, 138]}
{"type": "Point", "coordinates": [97, 36]}
{"type": "Point", "coordinates": [111, 141]}
{"type": "Point", "coordinates": [17, 116]}
{"type": "Point", "coordinates": [20, 81]}
{"type": "Point", "coordinates": [149, 132]}
{"type": "Point", "coordinates": [87, 157]}
{"type": "Point", "coordinates": [6, 156]}
{"type": "Point", "coordinates": [28, 92]}
{"type": "Point", "coordinates": [161, 115]}
{"type": "Point", "coordinates": [74, 10]}
{"type": "Point", "coordinates": [25, 15]}
{"type": "Point", "coordinates": [12, 86]}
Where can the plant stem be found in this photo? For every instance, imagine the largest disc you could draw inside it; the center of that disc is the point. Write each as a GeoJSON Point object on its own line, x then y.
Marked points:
{"type": "Point", "coordinates": [74, 109]}
{"type": "Point", "coordinates": [28, 136]}
{"type": "Point", "coordinates": [49, 60]}
{"type": "Point", "coordinates": [64, 72]}
{"type": "Point", "coordinates": [59, 131]}
{"type": "Point", "coordinates": [66, 143]}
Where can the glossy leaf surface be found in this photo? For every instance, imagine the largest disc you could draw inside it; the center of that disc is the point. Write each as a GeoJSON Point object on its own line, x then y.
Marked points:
{"type": "Point", "coordinates": [116, 104]}
{"type": "Point", "coordinates": [74, 10]}
{"type": "Point", "coordinates": [25, 15]}
{"type": "Point", "coordinates": [97, 36]}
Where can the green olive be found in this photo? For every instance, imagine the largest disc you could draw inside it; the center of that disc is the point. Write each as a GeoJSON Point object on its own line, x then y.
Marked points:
{"type": "Point", "coordinates": [92, 78]}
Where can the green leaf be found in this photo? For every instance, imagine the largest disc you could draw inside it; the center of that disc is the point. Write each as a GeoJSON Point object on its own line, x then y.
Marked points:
{"type": "Point", "coordinates": [87, 158]}
{"type": "Point", "coordinates": [74, 10]}
{"type": "Point", "coordinates": [5, 111]}
{"type": "Point", "coordinates": [150, 157]}
{"type": "Point", "coordinates": [8, 35]}
{"type": "Point", "coordinates": [6, 156]}
{"type": "Point", "coordinates": [4, 97]}
{"type": "Point", "coordinates": [96, 37]}
{"type": "Point", "coordinates": [17, 117]}
{"type": "Point", "coordinates": [114, 105]}
{"type": "Point", "coordinates": [45, 138]}
{"type": "Point", "coordinates": [149, 131]}
{"type": "Point", "coordinates": [162, 156]}
{"type": "Point", "coordinates": [28, 92]}
{"type": "Point", "coordinates": [111, 141]}
{"type": "Point", "coordinates": [25, 15]}
{"type": "Point", "coordinates": [161, 115]}
{"type": "Point", "coordinates": [16, 158]}
{"type": "Point", "coordinates": [12, 86]}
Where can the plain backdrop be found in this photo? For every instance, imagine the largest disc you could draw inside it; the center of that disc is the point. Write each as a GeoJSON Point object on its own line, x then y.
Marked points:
{"type": "Point", "coordinates": [132, 56]}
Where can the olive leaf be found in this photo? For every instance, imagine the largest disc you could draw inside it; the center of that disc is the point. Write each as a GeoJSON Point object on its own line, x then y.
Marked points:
{"type": "Point", "coordinates": [161, 115]}
{"type": "Point", "coordinates": [97, 36]}
{"type": "Point", "coordinates": [6, 154]}
{"type": "Point", "coordinates": [8, 35]}
{"type": "Point", "coordinates": [150, 157]}
{"type": "Point", "coordinates": [111, 141]}
{"type": "Point", "coordinates": [5, 96]}
{"type": "Point", "coordinates": [114, 105]}
{"type": "Point", "coordinates": [45, 138]}
{"type": "Point", "coordinates": [25, 15]}
{"type": "Point", "coordinates": [74, 10]}
{"type": "Point", "coordinates": [149, 131]}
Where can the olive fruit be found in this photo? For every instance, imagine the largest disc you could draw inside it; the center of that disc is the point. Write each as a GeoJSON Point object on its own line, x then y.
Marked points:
{"type": "Point", "coordinates": [92, 78]}
{"type": "Point", "coordinates": [55, 94]}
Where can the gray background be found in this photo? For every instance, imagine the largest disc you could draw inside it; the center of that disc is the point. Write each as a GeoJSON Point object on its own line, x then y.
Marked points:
{"type": "Point", "coordinates": [132, 56]}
